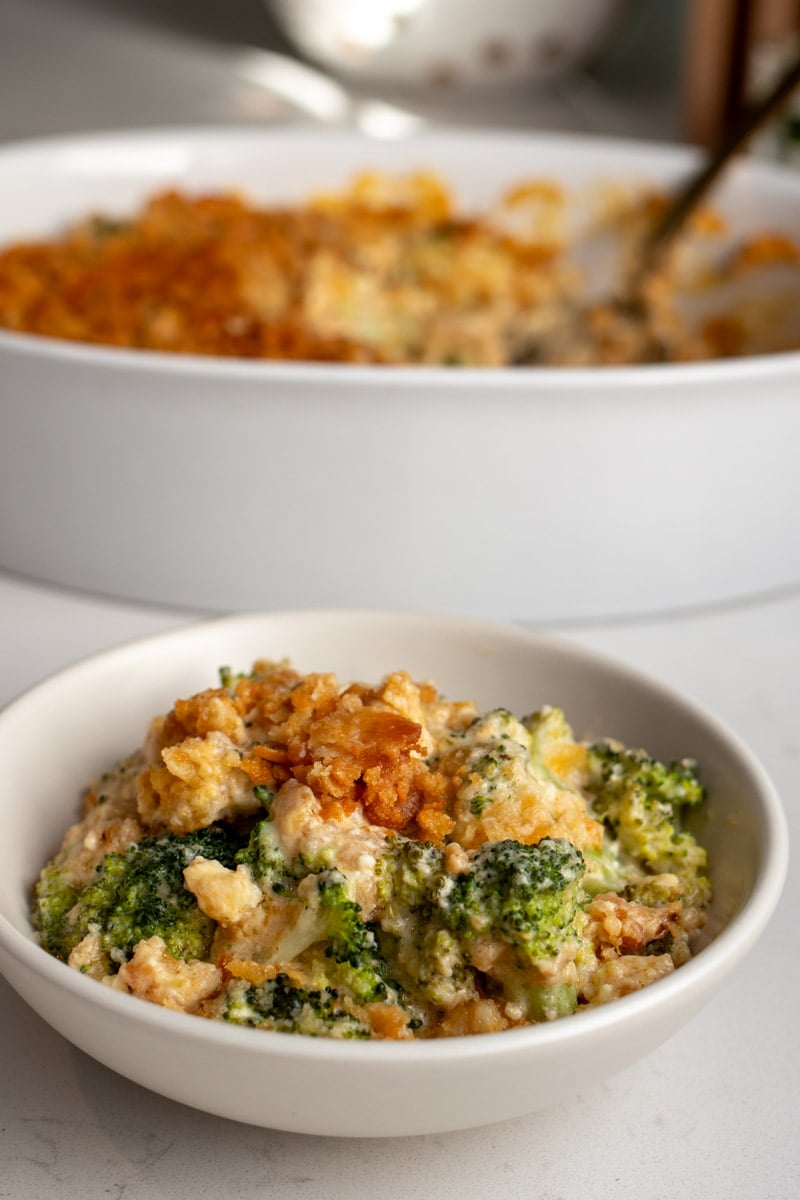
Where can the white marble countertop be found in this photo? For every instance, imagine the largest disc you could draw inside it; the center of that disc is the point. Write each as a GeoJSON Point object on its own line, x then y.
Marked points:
{"type": "Point", "coordinates": [715, 1112]}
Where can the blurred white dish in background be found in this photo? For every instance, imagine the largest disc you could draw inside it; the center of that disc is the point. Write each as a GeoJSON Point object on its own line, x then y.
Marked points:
{"type": "Point", "coordinates": [530, 493]}
{"type": "Point", "coordinates": [447, 43]}
{"type": "Point", "coordinates": [98, 711]}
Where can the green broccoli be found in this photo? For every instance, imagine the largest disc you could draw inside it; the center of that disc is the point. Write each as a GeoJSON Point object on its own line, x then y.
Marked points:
{"type": "Point", "coordinates": [281, 1005]}
{"type": "Point", "coordinates": [411, 877]}
{"type": "Point", "coordinates": [495, 757]}
{"type": "Point", "coordinates": [329, 917]}
{"type": "Point", "coordinates": [413, 885]}
{"type": "Point", "coordinates": [524, 899]}
{"type": "Point", "coordinates": [54, 899]}
{"type": "Point", "coordinates": [546, 728]}
{"type": "Point", "coordinates": [607, 869]}
{"type": "Point", "coordinates": [642, 802]}
{"type": "Point", "coordinates": [528, 895]}
{"type": "Point", "coordinates": [355, 962]}
{"type": "Point", "coordinates": [228, 678]}
{"type": "Point", "coordinates": [134, 895]}
{"type": "Point", "coordinates": [264, 856]}
{"type": "Point", "coordinates": [498, 758]}
{"type": "Point", "coordinates": [336, 947]}
{"type": "Point", "coordinates": [429, 962]}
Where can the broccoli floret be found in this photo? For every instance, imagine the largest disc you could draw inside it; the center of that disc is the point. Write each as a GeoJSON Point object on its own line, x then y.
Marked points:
{"type": "Point", "coordinates": [228, 678]}
{"type": "Point", "coordinates": [413, 885]}
{"type": "Point", "coordinates": [329, 918]}
{"type": "Point", "coordinates": [494, 753]}
{"type": "Point", "coordinates": [265, 858]}
{"type": "Point", "coordinates": [352, 947]}
{"type": "Point", "coordinates": [330, 937]}
{"type": "Point", "coordinates": [606, 871]}
{"type": "Point", "coordinates": [527, 899]}
{"type": "Point", "coordinates": [642, 802]}
{"type": "Point", "coordinates": [554, 753]}
{"type": "Point", "coordinates": [528, 895]}
{"type": "Point", "coordinates": [281, 1005]}
{"type": "Point", "coordinates": [546, 728]}
{"type": "Point", "coordinates": [411, 876]}
{"type": "Point", "coordinates": [135, 895]}
{"type": "Point", "coordinates": [523, 899]}
{"type": "Point", "coordinates": [433, 964]}
{"type": "Point", "coordinates": [55, 897]}
{"type": "Point", "coordinates": [493, 766]}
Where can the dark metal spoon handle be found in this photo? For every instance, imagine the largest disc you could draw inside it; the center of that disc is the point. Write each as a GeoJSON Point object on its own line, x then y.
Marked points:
{"type": "Point", "coordinates": [686, 200]}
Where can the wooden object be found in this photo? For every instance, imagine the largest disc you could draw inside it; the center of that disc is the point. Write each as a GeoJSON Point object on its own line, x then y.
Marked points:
{"type": "Point", "coordinates": [731, 49]}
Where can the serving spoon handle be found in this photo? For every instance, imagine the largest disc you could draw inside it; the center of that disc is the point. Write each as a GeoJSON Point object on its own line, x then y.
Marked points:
{"type": "Point", "coordinates": [685, 200]}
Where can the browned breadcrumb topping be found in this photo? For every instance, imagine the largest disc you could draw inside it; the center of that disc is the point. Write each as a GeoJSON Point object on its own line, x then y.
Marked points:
{"type": "Point", "coordinates": [386, 271]}
{"type": "Point", "coordinates": [355, 748]}
{"type": "Point", "coordinates": [218, 275]}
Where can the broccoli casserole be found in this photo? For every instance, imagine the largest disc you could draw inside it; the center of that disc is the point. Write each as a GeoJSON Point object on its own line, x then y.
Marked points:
{"type": "Point", "coordinates": [375, 861]}
{"type": "Point", "coordinates": [389, 270]}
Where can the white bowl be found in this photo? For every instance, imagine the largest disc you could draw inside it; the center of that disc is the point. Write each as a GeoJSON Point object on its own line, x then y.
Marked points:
{"type": "Point", "coordinates": [527, 493]}
{"type": "Point", "coordinates": [447, 43]}
{"type": "Point", "coordinates": [98, 710]}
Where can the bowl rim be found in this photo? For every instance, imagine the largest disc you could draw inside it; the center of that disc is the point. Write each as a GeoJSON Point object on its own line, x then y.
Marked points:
{"type": "Point", "coordinates": [717, 959]}
{"type": "Point", "coordinates": [391, 377]}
